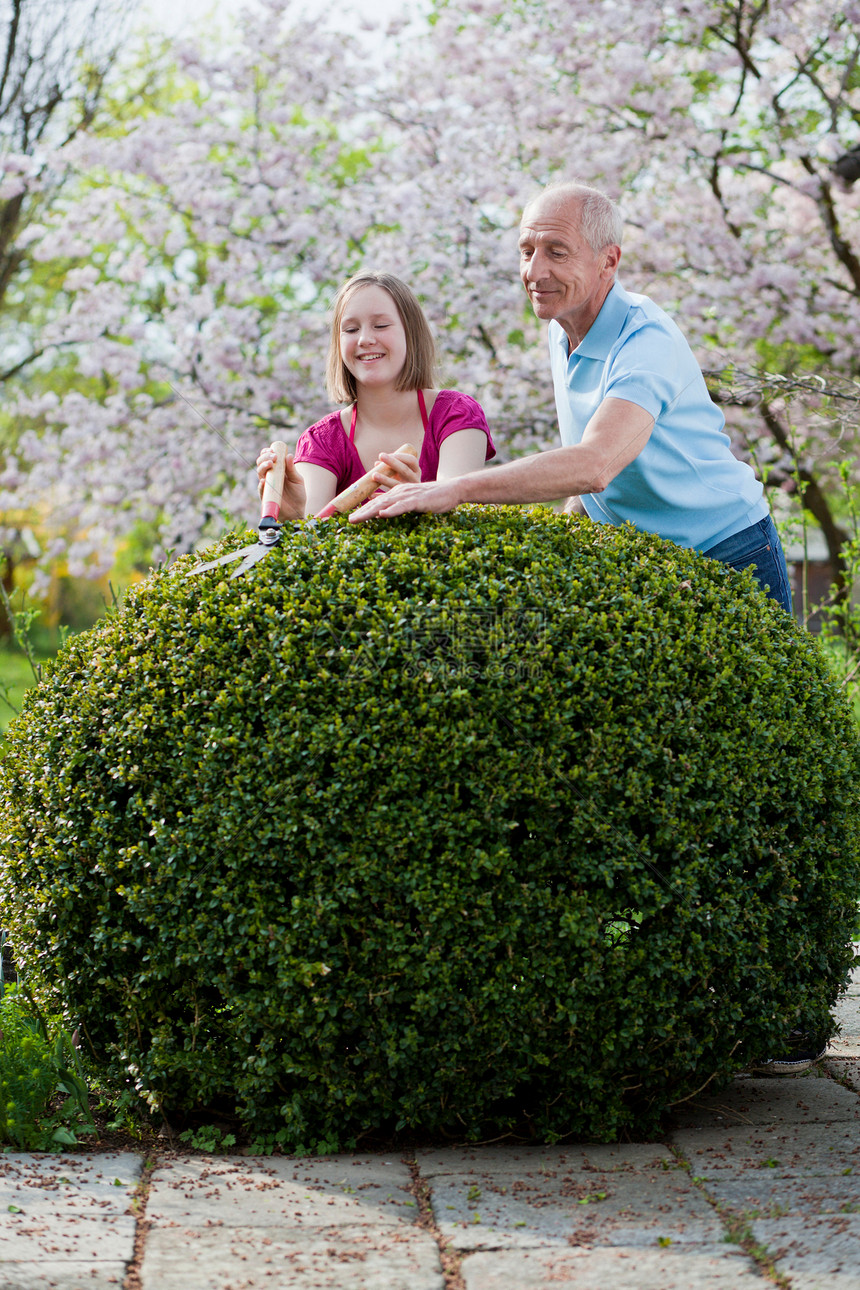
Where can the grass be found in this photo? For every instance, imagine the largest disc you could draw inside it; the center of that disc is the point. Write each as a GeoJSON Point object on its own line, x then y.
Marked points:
{"type": "Point", "coordinates": [16, 678]}
{"type": "Point", "coordinates": [845, 664]}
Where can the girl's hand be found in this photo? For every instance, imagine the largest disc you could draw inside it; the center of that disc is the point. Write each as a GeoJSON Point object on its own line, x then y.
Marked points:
{"type": "Point", "coordinates": [403, 464]}
{"type": "Point", "coordinates": [293, 499]}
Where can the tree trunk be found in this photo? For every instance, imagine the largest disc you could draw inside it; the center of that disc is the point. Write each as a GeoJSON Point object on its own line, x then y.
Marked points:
{"type": "Point", "coordinates": [814, 501]}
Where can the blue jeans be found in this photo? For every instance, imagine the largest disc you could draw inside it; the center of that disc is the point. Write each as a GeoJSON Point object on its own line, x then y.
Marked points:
{"type": "Point", "coordinates": [759, 546]}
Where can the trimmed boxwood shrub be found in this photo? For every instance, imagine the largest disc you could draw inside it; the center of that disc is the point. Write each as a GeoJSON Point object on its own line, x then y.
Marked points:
{"type": "Point", "coordinates": [449, 823]}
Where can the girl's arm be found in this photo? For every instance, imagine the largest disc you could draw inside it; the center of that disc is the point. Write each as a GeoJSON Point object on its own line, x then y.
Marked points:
{"type": "Point", "coordinates": [462, 452]}
{"type": "Point", "coordinates": [459, 453]}
{"type": "Point", "coordinates": [320, 486]}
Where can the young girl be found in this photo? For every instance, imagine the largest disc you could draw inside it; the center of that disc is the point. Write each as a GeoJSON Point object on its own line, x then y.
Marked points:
{"type": "Point", "coordinates": [381, 363]}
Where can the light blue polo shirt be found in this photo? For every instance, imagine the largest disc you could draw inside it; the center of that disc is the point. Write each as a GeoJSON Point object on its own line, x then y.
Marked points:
{"type": "Point", "coordinates": [685, 485]}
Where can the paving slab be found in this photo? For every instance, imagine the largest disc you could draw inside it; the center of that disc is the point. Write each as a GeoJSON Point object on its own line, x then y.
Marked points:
{"type": "Point", "coordinates": [755, 1193]}
{"type": "Point", "coordinates": [792, 1170]}
{"type": "Point", "coordinates": [66, 1221]}
{"type": "Point", "coordinates": [810, 1098]}
{"type": "Point", "coordinates": [788, 1150]}
{"type": "Point", "coordinates": [845, 1069]}
{"type": "Point", "coordinates": [344, 1257]}
{"type": "Point", "coordinates": [346, 1222]}
{"type": "Point", "coordinates": [527, 1161]}
{"type": "Point", "coordinates": [489, 1209]}
{"type": "Point", "coordinates": [847, 1013]}
{"type": "Point", "coordinates": [517, 1161]}
{"type": "Point", "coordinates": [68, 1274]}
{"type": "Point", "coordinates": [626, 1156]}
{"type": "Point", "coordinates": [702, 1268]}
{"type": "Point", "coordinates": [77, 1186]}
{"type": "Point", "coordinates": [248, 1192]}
{"type": "Point", "coordinates": [816, 1253]}
{"type": "Point", "coordinates": [60, 1237]}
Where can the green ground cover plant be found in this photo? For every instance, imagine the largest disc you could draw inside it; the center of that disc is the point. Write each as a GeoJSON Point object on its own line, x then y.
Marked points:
{"type": "Point", "coordinates": [208, 1138]}
{"type": "Point", "coordinates": [43, 1096]}
{"type": "Point", "coordinates": [498, 821]}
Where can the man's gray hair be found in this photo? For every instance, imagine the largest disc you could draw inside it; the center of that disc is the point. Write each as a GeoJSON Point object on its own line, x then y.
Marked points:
{"type": "Point", "coordinates": [600, 219]}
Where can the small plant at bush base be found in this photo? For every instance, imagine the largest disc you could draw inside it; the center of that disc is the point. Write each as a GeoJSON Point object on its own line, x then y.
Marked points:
{"type": "Point", "coordinates": [265, 1144]}
{"type": "Point", "coordinates": [208, 1138]}
{"type": "Point", "coordinates": [36, 1068]}
{"type": "Point", "coordinates": [449, 825]}
{"type": "Point", "coordinates": [120, 1109]}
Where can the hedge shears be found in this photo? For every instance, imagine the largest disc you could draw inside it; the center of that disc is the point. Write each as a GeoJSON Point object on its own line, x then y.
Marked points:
{"type": "Point", "coordinates": [270, 527]}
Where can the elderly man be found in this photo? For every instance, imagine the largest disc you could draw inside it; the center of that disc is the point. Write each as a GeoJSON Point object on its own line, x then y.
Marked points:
{"type": "Point", "coordinates": [641, 439]}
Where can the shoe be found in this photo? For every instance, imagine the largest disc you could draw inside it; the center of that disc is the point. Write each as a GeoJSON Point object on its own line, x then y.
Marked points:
{"type": "Point", "coordinates": [801, 1050]}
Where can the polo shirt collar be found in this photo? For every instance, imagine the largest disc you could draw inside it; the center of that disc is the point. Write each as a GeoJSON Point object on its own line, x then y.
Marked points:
{"type": "Point", "coordinates": [606, 328]}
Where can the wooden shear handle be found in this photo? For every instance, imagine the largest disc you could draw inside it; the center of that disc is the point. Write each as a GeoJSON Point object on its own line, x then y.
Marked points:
{"type": "Point", "coordinates": [274, 483]}
{"type": "Point", "coordinates": [361, 489]}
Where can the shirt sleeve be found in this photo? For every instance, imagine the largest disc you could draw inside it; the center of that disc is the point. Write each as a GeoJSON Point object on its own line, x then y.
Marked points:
{"type": "Point", "coordinates": [454, 411]}
{"type": "Point", "coordinates": [652, 368]}
{"type": "Point", "coordinates": [322, 444]}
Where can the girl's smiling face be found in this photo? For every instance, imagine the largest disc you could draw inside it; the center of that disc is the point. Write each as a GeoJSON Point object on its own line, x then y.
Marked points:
{"type": "Point", "coordinates": [372, 337]}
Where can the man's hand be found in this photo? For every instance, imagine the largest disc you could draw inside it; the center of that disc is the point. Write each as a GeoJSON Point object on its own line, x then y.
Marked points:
{"type": "Point", "coordinates": [436, 498]}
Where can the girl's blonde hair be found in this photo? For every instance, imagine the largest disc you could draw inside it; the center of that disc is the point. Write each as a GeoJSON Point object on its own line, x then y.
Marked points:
{"type": "Point", "coordinates": [419, 370]}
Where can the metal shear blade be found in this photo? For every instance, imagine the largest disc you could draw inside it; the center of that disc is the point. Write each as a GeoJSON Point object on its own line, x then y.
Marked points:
{"type": "Point", "coordinates": [249, 555]}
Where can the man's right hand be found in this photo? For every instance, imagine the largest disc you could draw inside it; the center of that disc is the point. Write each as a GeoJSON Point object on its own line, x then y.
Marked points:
{"type": "Point", "coordinates": [436, 497]}
{"type": "Point", "coordinates": [293, 498]}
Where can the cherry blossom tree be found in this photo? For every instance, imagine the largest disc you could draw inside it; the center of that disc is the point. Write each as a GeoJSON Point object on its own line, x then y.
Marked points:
{"type": "Point", "coordinates": [209, 237]}
{"type": "Point", "coordinates": [202, 237]}
{"type": "Point", "coordinates": [728, 130]}
{"type": "Point", "coordinates": [55, 58]}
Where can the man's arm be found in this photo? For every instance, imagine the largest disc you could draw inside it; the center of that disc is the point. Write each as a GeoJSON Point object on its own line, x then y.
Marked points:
{"type": "Point", "coordinates": [614, 436]}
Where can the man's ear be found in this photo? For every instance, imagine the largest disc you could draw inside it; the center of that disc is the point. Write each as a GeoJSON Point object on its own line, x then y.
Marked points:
{"type": "Point", "coordinates": [611, 258]}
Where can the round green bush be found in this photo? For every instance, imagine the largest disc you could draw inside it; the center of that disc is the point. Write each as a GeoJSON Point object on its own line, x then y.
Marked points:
{"type": "Point", "coordinates": [455, 824]}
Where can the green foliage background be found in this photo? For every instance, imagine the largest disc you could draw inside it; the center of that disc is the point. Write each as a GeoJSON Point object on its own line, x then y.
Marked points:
{"type": "Point", "coordinates": [344, 842]}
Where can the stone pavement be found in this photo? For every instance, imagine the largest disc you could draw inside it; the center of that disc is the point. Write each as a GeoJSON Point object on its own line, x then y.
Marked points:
{"type": "Point", "coordinates": [755, 1187]}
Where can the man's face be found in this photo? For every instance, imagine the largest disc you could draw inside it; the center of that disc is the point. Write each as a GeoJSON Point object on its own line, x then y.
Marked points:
{"type": "Point", "coordinates": [564, 278]}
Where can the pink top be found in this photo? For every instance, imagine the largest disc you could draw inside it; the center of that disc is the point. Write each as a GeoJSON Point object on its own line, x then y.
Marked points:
{"type": "Point", "coordinates": [326, 443]}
